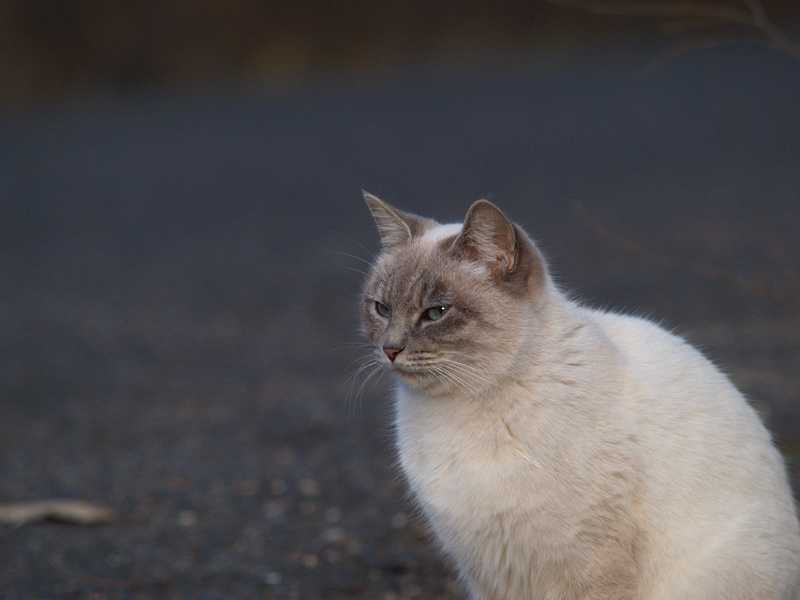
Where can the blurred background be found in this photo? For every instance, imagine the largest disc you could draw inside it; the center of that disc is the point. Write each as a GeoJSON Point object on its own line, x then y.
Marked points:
{"type": "Point", "coordinates": [182, 239]}
{"type": "Point", "coordinates": [53, 48]}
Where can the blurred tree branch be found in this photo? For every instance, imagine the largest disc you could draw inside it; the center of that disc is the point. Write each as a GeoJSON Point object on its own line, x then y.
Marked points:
{"type": "Point", "coordinates": [692, 16]}
{"type": "Point", "coordinates": [764, 289]}
{"type": "Point", "coordinates": [696, 14]}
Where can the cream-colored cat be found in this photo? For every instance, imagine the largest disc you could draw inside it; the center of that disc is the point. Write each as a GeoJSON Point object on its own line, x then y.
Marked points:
{"type": "Point", "coordinates": [561, 452]}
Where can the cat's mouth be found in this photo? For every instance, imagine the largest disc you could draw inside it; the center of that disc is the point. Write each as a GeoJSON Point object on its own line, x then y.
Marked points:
{"type": "Point", "coordinates": [416, 370]}
{"type": "Point", "coordinates": [406, 371]}
{"type": "Point", "coordinates": [409, 374]}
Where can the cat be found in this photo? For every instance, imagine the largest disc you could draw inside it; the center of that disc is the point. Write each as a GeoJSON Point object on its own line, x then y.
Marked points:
{"type": "Point", "coordinates": [560, 452]}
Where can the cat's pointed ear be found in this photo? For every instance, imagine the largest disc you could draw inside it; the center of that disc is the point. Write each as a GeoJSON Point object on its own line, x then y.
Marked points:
{"type": "Point", "coordinates": [395, 226]}
{"type": "Point", "coordinates": [488, 237]}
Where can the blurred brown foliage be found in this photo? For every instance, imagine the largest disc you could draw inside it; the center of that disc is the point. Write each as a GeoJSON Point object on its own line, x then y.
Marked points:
{"type": "Point", "coordinates": [53, 47]}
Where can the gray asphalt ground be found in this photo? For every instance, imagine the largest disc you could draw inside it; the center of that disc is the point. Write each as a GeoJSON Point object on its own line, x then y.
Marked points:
{"type": "Point", "coordinates": [178, 274]}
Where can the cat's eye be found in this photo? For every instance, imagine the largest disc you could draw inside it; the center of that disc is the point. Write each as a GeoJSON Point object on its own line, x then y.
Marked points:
{"type": "Point", "coordinates": [435, 313]}
{"type": "Point", "coordinates": [382, 309]}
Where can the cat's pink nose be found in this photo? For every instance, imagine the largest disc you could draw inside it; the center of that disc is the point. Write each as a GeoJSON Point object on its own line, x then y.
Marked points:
{"type": "Point", "coordinates": [392, 352]}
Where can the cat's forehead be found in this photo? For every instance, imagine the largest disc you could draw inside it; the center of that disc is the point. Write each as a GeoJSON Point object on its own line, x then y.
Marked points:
{"type": "Point", "coordinates": [425, 269]}
{"type": "Point", "coordinates": [405, 281]}
{"type": "Point", "coordinates": [424, 255]}
{"type": "Point", "coordinates": [441, 233]}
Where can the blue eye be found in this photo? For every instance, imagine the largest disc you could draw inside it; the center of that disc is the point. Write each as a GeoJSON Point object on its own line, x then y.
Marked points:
{"type": "Point", "coordinates": [382, 309]}
{"type": "Point", "coordinates": [436, 312]}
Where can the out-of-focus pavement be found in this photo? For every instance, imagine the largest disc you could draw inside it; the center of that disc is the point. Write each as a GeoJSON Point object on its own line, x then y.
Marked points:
{"type": "Point", "coordinates": [178, 275]}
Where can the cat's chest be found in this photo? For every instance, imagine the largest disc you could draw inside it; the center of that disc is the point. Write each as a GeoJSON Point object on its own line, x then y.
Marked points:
{"type": "Point", "coordinates": [461, 460]}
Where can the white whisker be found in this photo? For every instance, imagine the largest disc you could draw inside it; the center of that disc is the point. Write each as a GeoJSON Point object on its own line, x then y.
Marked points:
{"type": "Point", "coordinates": [469, 371]}
{"type": "Point", "coordinates": [353, 377]}
{"type": "Point", "coordinates": [362, 246]}
{"type": "Point", "coordinates": [453, 378]}
{"type": "Point", "coordinates": [364, 373]}
{"type": "Point", "coordinates": [354, 269]}
{"type": "Point", "coordinates": [356, 399]}
{"type": "Point", "coordinates": [364, 260]}
{"type": "Point", "coordinates": [355, 346]}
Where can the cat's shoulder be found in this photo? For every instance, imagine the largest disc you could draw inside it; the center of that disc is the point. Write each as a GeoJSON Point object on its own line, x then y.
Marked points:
{"type": "Point", "coordinates": [636, 332]}
{"type": "Point", "coordinates": [649, 346]}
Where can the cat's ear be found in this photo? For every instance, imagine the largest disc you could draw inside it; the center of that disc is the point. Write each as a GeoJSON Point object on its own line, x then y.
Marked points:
{"type": "Point", "coordinates": [488, 237]}
{"type": "Point", "coordinates": [395, 226]}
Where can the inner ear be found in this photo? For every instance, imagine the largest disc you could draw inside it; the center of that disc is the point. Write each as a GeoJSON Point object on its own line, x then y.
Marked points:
{"type": "Point", "coordinates": [488, 237]}
{"type": "Point", "coordinates": [396, 227]}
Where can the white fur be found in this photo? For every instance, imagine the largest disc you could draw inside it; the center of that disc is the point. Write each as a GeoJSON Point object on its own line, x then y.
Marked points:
{"type": "Point", "coordinates": [615, 462]}
{"type": "Point", "coordinates": [441, 232]}
{"type": "Point", "coordinates": [562, 453]}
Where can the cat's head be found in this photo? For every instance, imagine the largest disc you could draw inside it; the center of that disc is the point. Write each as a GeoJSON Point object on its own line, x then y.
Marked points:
{"type": "Point", "coordinates": [451, 308]}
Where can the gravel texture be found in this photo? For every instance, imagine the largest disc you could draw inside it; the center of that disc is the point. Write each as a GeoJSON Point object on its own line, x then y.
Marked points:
{"type": "Point", "coordinates": [178, 338]}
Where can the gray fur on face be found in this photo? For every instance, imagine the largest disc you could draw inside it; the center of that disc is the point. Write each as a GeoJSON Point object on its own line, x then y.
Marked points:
{"type": "Point", "coordinates": [486, 274]}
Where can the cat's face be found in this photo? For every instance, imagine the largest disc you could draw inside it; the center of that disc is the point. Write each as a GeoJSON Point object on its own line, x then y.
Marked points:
{"type": "Point", "coordinates": [445, 306]}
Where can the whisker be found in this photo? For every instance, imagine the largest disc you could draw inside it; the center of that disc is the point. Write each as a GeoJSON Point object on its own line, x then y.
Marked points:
{"type": "Point", "coordinates": [380, 371]}
{"type": "Point", "coordinates": [464, 384]}
{"type": "Point", "coordinates": [355, 361]}
{"type": "Point", "coordinates": [359, 398]}
{"type": "Point", "coordinates": [451, 377]}
{"type": "Point", "coordinates": [474, 357]}
{"type": "Point", "coordinates": [354, 269]}
{"type": "Point", "coordinates": [353, 345]}
{"type": "Point", "coordinates": [470, 372]}
{"type": "Point", "coordinates": [364, 374]}
{"type": "Point", "coordinates": [362, 246]}
{"type": "Point", "coordinates": [354, 376]}
{"type": "Point", "coordinates": [364, 260]}
{"type": "Point", "coordinates": [467, 368]}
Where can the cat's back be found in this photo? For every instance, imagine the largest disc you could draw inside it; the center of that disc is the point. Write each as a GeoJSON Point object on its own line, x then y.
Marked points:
{"type": "Point", "coordinates": [715, 495]}
{"type": "Point", "coordinates": [688, 411]}
{"type": "Point", "coordinates": [668, 381]}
